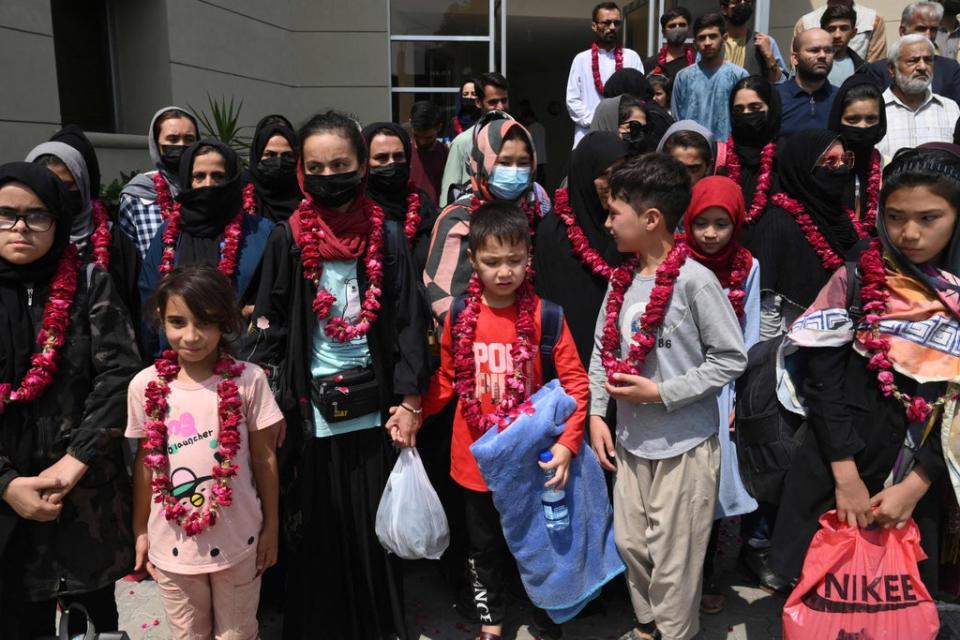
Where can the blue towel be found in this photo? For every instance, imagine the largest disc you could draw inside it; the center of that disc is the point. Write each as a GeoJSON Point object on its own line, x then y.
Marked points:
{"type": "Point", "coordinates": [564, 570]}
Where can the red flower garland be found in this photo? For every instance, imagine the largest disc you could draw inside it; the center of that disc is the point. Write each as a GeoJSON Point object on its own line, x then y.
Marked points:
{"type": "Point", "coordinates": [651, 319]}
{"type": "Point", "coordinates": [662, 58]}
{"type": "Point", "coordinates": [579, 244]}
{"type": "Point", "coordinates": [101, 237]}
{"type": "Point", "coordinates": [595, 60]}
{"type": "Point", "coordinates": [229, 404]}
{"type": "Point", "coordinates": [52, 333]}
{"type": "Point", "coordinates": [457, 127]}
{"type": "Point", "coordinates": [740, 269]}
{"type": "Point", "coordinates": [828, 257]}
{"type": "Point", "coordinates": [309, 240]}
{"type": "Point", "coordinates": [874, 294]}
{"type": "Point", "coordinates": [465, 367]}
{"type": "Point", "coordinates": [164, 199]}
{"type": "Point", "coordinates": [411, 222]}
{"type": "Point", "coordinates": [232, 233]}
{"type": "Point", "coordinates": [764, 177]}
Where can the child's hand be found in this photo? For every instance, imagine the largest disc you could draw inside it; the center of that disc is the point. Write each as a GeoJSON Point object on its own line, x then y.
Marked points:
{"type": "Point", "coordinates": [635, 389]}
{"type": "Point", "coordinates": [894, 505]}
{"type": "Point", "coordinates": [602, 442]}
{"type": "Point", "coordinates": [853, 503]}
{"type": "Point", "coordinates": [142, 559]}
{"type": "Point", "coordinates": [267, 547]}
{"type": "Point", "coordinates": [560, 464]}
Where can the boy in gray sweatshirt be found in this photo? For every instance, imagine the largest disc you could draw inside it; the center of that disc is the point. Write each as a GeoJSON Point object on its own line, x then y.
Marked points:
{"type": "Point", "coordinates": [666, 457]}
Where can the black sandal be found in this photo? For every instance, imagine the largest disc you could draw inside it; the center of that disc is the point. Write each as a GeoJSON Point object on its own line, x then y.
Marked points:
{"type": "Point", "coordinates": [648, 629]}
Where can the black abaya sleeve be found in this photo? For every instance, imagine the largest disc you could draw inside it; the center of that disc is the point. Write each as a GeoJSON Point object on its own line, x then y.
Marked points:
{"type": "Point", "coordinates": [828, 412]}
{"type": "Point", "coordinates": [114, 362]}
{"type": "Point", "coordinates": [270, 322]}
{"type": "Point", "coordinates": [411, 374]}
{"type": "Point", "coordinates": [125, 264]}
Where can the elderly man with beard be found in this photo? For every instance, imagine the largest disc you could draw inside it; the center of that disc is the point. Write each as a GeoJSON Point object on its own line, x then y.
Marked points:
{"type": "Point", "coordinates": [915, 114]}
{"type": "Point", "coordinates": [806, 98]}
{"type": "Point", "coordinates": [924, 18]}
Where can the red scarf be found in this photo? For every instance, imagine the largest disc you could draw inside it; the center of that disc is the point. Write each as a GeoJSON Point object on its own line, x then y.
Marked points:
{"type": "Point", "coordinates": [717, 191]}
{"type": "Point", "coordinates": [345, 233]}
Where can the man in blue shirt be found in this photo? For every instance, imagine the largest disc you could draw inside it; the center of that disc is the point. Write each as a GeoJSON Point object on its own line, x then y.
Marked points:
{"type": "Point", "coordinates": [701, 92]}
{"type": "Point", "coordinates": [806, 99]}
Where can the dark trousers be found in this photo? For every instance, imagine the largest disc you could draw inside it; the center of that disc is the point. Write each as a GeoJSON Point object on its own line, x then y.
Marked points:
{"type": "Point", "coordinates": [488, 561]}
{"type": "Point", "coordinates": [37, 619]}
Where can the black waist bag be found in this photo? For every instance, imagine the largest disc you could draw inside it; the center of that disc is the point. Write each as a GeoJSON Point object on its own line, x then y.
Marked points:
{"type": "Point", "coordinates": [346, 395]}
{"type": "Point", "coordinates": [767, 434]}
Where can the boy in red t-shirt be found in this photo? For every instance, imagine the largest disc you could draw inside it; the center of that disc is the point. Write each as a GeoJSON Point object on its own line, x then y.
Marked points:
{"type": "Point", "coordinates": [498, 325]}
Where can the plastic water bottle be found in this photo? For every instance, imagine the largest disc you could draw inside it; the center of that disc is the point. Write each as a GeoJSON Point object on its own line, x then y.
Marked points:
{"type": "Point", "coordinates": [554, 500]}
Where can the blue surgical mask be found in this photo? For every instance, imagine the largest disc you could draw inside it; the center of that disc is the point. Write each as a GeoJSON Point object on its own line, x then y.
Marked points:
{"type": "Point", "coordinates": [509, 183]}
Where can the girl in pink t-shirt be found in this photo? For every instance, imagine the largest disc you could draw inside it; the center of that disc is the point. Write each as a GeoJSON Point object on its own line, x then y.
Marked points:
{"type": "Point", "coordinates": [205, 477]}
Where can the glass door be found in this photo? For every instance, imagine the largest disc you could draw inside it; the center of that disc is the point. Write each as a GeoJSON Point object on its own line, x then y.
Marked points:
{"type": "Point", "coordinates": [436, 44]}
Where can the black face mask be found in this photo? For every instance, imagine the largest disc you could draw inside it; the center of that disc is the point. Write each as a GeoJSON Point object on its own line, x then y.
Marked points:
{"type": "Point", "coordinates": [170, 157]}
{"type": "Point", "coordinates": [469, 108]}
{"type": "Point", "coordinates": [636, 138]}
{"type": "Point", "coordinates": [334, 190]}
{"type": "Point", "coordinates": [207, 210]}
{"type": "Point", "coordinates": [73, 203]}
{"type": "Point", "coordinates": [832, 182]}
{"type": "Point", "coordinates": [741, 14]}
{"type": "Point", "coordinates": [390, 179]}
{"type": "Point", "coordinates": [860, 136]}
{"type": "Point", "coordinates": [749, 126]}
{"type": "Point", "coordinates": [277, 171]}
{"type": "Point", "coordinates": [951, 7]}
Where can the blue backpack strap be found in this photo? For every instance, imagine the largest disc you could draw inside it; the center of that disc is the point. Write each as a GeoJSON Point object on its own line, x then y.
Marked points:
{"type": "Point", "coordinates": [551, 325]}
{"type": "Point", "coordinates": [458, 305]}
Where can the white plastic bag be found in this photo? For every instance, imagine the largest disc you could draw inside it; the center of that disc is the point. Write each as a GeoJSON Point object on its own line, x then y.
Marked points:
{"type": "Point", "coordinates": [410, 519]}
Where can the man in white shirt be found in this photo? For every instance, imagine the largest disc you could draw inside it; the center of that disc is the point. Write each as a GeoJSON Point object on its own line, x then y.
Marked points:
{"type": "Point", "coordinates": [603, 58]}
{"type": "Point", "coordinates": [915, 115]}
{"type": "Point", "coordinates": [870, 41]}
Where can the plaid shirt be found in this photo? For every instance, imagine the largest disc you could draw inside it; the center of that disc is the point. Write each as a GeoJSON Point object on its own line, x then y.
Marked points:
{"type": "Point", "coordinates": [933, 121]}
{"type": "Point", "coordinates": [140, 219]}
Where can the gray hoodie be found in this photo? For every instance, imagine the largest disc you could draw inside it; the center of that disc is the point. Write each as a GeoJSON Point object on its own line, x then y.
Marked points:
{"type": "Point", "coordinates": [142, 185]}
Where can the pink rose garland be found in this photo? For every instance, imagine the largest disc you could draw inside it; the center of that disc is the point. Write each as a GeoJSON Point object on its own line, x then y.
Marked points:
{"type": "Point", "coordinates": [595, 64]}
{"type": "Point", "coordinates": [229, 404]}
{"type": "Point", "coordinates": [651, 319]}
{"type": "Point", "coordinates": [579, 244]}
{"type": "Point", "coordinates": [52, 334]}
{"type": "Point", "coordinates": [309, 240]}
{"type": "Point", "coordinates": [874, 295]}
{"type": "Point", "coordinates": [101, 237]}
{"type": "Point", "coordinates": [515, 395]}
{"type": "Point", "coordinates": [764, 177]}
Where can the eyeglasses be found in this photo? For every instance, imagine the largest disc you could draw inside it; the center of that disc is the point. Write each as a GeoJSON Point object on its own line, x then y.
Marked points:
{"type": "Point", "coordinates": [610, 23]}
{"type": "Point", "coordinates": [34, 220]}
{"type": "Point", "coordinates": [835, 162]}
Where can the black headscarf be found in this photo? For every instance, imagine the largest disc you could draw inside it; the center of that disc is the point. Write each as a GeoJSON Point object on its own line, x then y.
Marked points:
{"type": "Point", "coordinates": [595, 153]}
{"type": "Point", "coordinates": [796, 159]}
{"type": "Point", "coordinates": [658, 121]}
{"type": "Point", "coordinates": [206, 211]}
{"type": "Point", "coordinates": [628, 81]}
{"type": "Point", "coordinates": [76, 138]}
{"type": "Point", "coordinates": [561, 276]}
{"type": "Point", "coordinates": [862, 149]}
{"type": "Point", "coordinates": [749, 147]}
{"type": "Point", "coordinates": [16, 329]}
{"type": "Point", "coordinates": [278, 193]}
{"type": "Point", "coordinates": [393, 200]}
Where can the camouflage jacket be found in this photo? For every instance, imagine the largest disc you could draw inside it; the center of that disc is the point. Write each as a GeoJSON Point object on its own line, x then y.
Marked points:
{"type": "Point", "coordinates": [83, 413]}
